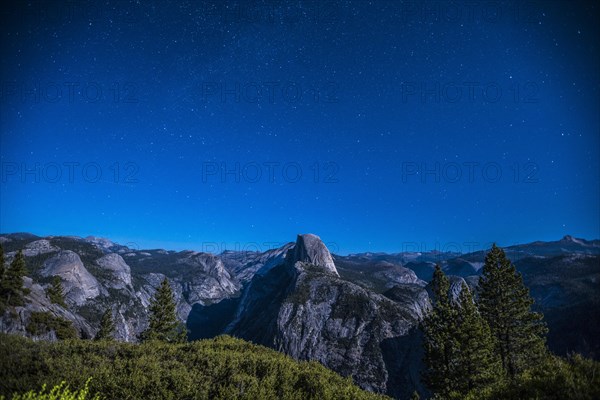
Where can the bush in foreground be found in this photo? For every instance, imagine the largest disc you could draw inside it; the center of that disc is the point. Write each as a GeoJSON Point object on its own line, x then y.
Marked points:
{"type": "Point", "coordinates": [555, 378]}
{"type": "Point", "coordinates": [220, 368]}
{"type": "Point", "coordinates": [59, 392]}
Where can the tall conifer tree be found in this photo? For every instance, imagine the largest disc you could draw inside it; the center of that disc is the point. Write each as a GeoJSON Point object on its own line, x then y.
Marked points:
{"type": "Point", "coordinates": [12, 282]}
{"type": "Point", "coordinates": [2, 281]}
{"type": "Point", "coordinates": [164, 324]}
{"type": "Point", "coordinates": [55, 292]}
{"type": "Point", "coordinates": [505, 303]}
{"type": "Point", "coordinates": [440, 338]}
{"type": "Point", "coordinates": [2, 261]}
{"type": "Point", "coordinates": [107, 326]}
{"type": "Point", "coordinates": [477, 364]}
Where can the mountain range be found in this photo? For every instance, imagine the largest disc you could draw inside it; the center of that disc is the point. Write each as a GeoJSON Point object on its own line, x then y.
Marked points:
{"type": "Point", "coordinates": [356, 314]}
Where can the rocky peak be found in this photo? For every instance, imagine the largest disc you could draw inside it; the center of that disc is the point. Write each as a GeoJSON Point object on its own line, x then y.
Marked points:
{"type": "Point", "coordinates": [101, 243]}
{"type": "Point", "coordinates": [209, 278]}
{"type": "Point", "coordinates": [571, 239]}
{"type": "Point", "coordinates": [78, 283]}
{"type": "Point", "coordinates": [206, 263]}
{"type": "Point", "coordinates": [119, 269]}
{"type": "Point", "coordinates": [245, 264]}
{"type": "Point", "coordinates": [310, 249]}
{"type": "Point", "coordinates": [456, 286]}
{"type": "Point", "coordinates": [41, 246]}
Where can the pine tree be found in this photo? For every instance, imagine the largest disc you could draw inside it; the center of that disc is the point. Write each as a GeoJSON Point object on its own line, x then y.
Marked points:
{"type": "Point", "coordinates": [164, 324]}
{"type": "Point", "coordinates": [12, 283]}
{"type": "Point", "coordinates": [440, 339]}
{"type": "Point", "coordinates": [505, 303]}
{"type": "Point", "coordinates": [107, 327]}
{"type": "Point", "coordinates": [55, 292]}
{"type": "Point", "coordinates": [477, 364]}
{"type": "Point", "coordinates": [2, 282]}
{"type": "Point", "coordinates": [2, 269]}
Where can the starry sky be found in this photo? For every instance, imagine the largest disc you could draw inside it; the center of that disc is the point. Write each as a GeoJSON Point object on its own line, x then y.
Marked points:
{"type": "Point", "coordinates": [378, 125]}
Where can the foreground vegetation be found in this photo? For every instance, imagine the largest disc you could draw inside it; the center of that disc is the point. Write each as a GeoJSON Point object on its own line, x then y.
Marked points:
{"type": "Point", "coordinates": [58, 392]}
{"type": "Point", "coordinates": [555, 378]}
{"type": "Point", "coordinates": [220, 368]}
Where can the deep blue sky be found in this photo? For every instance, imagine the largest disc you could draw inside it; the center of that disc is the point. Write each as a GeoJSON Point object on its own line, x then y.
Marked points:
{"type": "Point", "coordinates": [145, 89]}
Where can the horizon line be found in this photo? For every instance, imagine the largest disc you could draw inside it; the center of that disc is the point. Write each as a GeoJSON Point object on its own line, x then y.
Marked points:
{"type": "Point", "coordinates": [216, 248]}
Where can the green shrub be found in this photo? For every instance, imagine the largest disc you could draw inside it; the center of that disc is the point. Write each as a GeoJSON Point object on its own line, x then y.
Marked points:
{"type": "Point", "coordinates": [44, 322]}
{"type": "Point", "coordinates": [59, 392]}
{"type": "Point", "coordinates": [219, 368]}
{"type": "Point", "coordinates": [555, 378]}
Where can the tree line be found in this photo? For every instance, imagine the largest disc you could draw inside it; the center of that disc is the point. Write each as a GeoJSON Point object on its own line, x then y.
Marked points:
{"type": "Point", "coordinates": [488, 343]}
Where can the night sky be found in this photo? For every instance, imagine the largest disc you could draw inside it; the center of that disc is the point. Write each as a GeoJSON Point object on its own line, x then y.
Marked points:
{"type": "Point", "coordinates": [378, 125]}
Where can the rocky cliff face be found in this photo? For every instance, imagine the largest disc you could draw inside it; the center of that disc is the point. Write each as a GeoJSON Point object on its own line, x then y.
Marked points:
{"type": "Point", "coordinates": [37, 247]}
{"type": "Point", "coordinates": [120, 271]}
{"type": "Point", "coordinates": [342, 325]}
{"type": "Point", "coordinates": [245, 264]}
{"type": "Point", "coordinates": [303, 308]}
{"type": "Point", "coordinates": [311, 250]}
{"type": "Point", "coordinates": [79, 285]}
{"type": "Point", "coordinates": [208, 279]}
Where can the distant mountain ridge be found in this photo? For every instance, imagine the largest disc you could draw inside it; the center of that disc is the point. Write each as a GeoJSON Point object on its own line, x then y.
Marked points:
{"type": "Point", "coordinates": [566, 245]}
